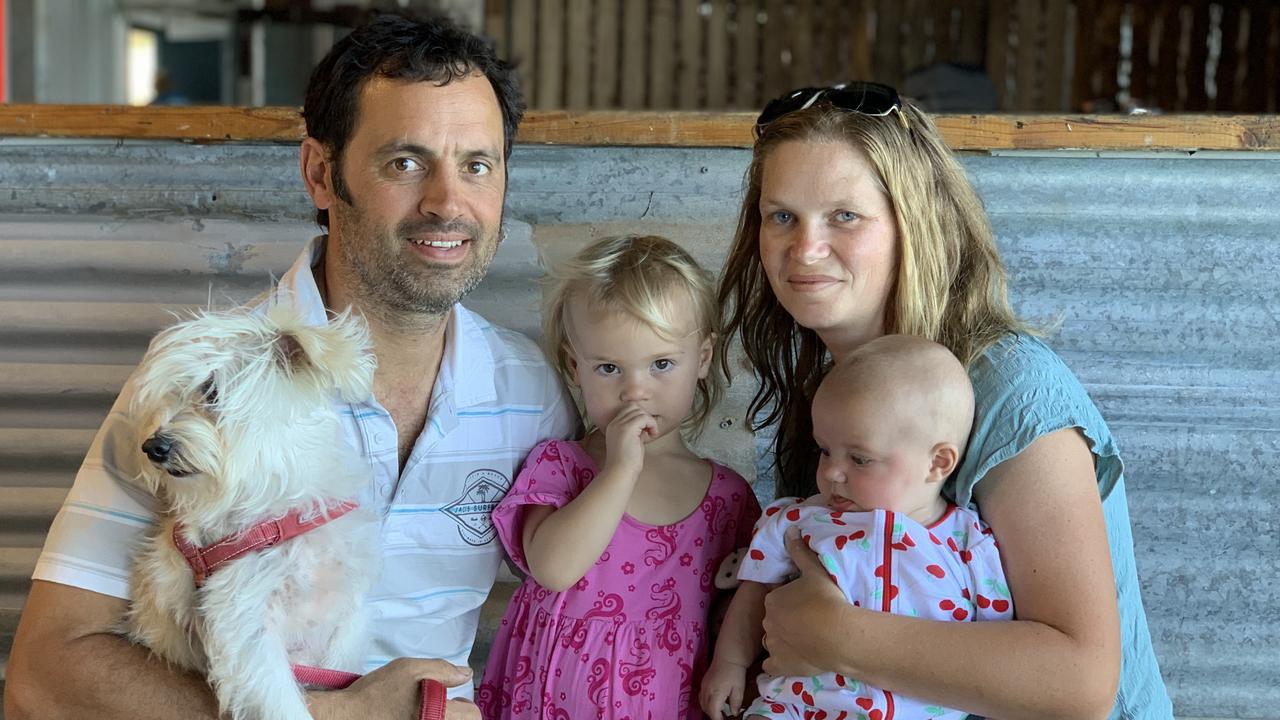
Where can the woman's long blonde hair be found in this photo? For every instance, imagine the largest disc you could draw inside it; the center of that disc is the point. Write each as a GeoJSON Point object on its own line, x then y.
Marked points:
{"type": "Point", "coordinates": [950, 284]}
{"type": "Point", "coordinates": [639, 276]}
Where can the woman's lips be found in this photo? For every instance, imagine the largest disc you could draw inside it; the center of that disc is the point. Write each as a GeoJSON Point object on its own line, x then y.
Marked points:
{"type": "Point", "coordinates": [811, 283]}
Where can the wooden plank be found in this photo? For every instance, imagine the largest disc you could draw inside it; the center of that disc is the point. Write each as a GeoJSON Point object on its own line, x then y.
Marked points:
{"type": "Point", "coordinates": [692, 63]}
{"type": "Point", "coordinates": [1140, 15]}
{"type": "Point", "coordinates": [1197, 94]}
{"type": "Point", "coordinates": [1054, 93]}
{"type": "Point", "coordinates": [718, 55]}
{"type": "Point", "coordinates": [1026, 64]}
{"type": "Point", "coordinates": [887, 54]}
{"type": "Point", "coordinates": [973, 32]}
{"type": "Point", "coordinates": [662, 49]}
{"type": "Point", "coordinates": [998, 32]}
{"type": "Point", "coordinates": [801, 43]}
{"type": "Point", "coordinates": [578, 56]}
{"type": "Point", "coordinates": [1230, 75]}
{"type": "Point", "coordinates": [961, 132]}
{"type": "Point", "coordinates": [604, 67]}
{"type": "Point", "coordinates": [523, 45]}
{"type": "Point", "coordinates": [915, 36]}
{"type": "Point", "coordinates": [496, 16]}
{"type": "Point", "coordinates": [1165, 71]}
{"type": "Point", "coordinates": [746, 55]}
{"type": "Point", "coordinates": [861, 43]}
{"type": "Point", "coordinates": [776, 31]}
{"type": "Point", "coordinates": [551, 52]}
{"type": "Point", "coordinates": [945, 33]}
{"type": "Point", "coordinates": [635, 18]}
{"type": "Point", "coordinates": [1272, 82]}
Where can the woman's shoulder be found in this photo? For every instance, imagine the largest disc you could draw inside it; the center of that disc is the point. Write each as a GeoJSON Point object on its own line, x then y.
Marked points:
{"type": "Point", "coordinates": [1023, 391]}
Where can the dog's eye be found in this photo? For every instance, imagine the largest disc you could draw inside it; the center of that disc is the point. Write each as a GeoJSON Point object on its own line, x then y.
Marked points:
{"type": "Point", "coordinates": [208, 393]}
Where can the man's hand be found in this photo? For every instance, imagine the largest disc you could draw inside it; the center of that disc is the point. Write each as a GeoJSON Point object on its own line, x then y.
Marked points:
{"type": "Point", "coordinates": [724, 682]}
{"type": "Point", "coordinates": [392, 692]}
{"type": "Point", "coordinates": [803, 617]}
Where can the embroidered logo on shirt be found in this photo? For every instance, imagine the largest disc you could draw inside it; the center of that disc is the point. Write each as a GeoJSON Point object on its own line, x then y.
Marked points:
{"type": "Point", "coordinates": [484, 488]}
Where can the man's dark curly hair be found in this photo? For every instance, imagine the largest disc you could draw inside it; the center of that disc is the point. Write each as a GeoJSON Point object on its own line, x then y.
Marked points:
{"type": "Point", "coordinates": [399, 47]}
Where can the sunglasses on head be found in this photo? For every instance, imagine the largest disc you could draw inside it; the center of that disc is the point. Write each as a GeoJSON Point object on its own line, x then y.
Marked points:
{"type": "Point", "coordinates": [864, 98]}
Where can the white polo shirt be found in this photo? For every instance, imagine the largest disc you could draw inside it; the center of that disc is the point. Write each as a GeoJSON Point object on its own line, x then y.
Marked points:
{"type": "Point", "coordinates": [494, 399]}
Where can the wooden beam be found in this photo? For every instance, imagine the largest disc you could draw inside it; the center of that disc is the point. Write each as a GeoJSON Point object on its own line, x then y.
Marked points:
{"type": "Point", "coordinates": [687, 129]}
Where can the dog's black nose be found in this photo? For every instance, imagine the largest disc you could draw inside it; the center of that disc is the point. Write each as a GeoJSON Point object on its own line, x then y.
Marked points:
{"type": "Point", "coordinates": [157, 448]}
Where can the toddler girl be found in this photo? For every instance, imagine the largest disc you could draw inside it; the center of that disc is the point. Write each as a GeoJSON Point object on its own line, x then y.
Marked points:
{"type": "Point", "coordinates": [891, 422]}
{"type": "Point", "coordinates": [620, 532]}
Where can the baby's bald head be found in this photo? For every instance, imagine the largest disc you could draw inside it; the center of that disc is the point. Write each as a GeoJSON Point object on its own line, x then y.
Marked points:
{"type": "Point", "coordinates": [922, 387]}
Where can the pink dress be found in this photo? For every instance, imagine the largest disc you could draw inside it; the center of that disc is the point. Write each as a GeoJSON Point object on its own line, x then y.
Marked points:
{"type": "Point", "coordinates": [629, 640]}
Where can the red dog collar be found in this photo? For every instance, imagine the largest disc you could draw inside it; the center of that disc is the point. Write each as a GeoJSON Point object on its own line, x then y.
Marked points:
{"type": "Point", "coordinates": [204, 560]}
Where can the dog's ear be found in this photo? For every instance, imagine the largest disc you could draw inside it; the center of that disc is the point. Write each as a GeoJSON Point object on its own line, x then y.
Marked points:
{"type": "Point", "coordinates": [336, 355]}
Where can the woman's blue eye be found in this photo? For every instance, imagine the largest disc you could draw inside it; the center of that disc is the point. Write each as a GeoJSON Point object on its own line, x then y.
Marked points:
{"type": "Point", "coordinates": [846, 216]}
{"type": "Point", "coordinates": [782, 217]}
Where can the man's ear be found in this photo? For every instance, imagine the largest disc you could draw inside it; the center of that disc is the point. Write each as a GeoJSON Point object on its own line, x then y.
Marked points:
{"type": "Point", "coordinates": [705, 354]}
{"type": "Point", "coordinates": [946, 456]}
{"type": "Point", "coordinates": [317, 173]}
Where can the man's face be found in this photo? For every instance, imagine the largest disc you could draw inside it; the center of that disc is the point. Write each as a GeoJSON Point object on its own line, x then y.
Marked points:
{"type": "Point", "coordinates": [425, 176]}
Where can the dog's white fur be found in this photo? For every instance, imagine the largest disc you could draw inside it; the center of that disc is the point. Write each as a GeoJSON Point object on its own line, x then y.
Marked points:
{"type": "Point", "coordinates": [248, 401]}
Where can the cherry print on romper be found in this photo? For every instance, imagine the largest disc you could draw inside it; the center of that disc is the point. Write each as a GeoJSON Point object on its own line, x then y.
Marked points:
{"type": "Point", "coordinates": [864, 703]}
{"type": "Point", "coordinates": [937, 571]}
{"type": "Point", "coordinates": [957, 612]}
{"type": "Point", "coordinates": [904, 543]}
{"type": "Point", "coordinates": [793, 514]}
{"type": "Point", "coordinates": [769, 512]}
{"type": "Point", "coordinates": [756, 554]}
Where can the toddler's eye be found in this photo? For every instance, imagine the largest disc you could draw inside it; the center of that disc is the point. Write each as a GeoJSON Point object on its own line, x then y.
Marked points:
{"type": "Point", "coordinates": [607, 369]}
{"type": "Point", "coordinates": [663, 364]}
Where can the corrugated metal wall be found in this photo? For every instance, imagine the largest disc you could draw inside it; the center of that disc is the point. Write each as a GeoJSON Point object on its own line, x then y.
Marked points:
{"type": "Point", "coordinates": [1161, 274]}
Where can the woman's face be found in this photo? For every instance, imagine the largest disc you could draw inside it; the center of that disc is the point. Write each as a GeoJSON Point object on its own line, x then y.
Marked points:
{"type": "Point", "coordinates": [828, 240]}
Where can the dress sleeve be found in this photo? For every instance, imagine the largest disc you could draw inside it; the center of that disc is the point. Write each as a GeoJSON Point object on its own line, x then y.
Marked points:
{"type": "Point", "coordinates": [549, 477]}
{"type": "Point", "coordinates": [1024, 391]}
{"type": "Point", "coordinates": [767, 560]}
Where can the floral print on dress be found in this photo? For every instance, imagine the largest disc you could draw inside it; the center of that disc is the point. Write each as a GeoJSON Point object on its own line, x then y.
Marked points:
{"type": "Point", "coordinates": [628, 641]}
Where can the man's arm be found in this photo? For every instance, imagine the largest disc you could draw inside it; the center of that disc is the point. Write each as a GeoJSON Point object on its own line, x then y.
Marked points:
{"type": "Point", "coordinates": [67, 663]}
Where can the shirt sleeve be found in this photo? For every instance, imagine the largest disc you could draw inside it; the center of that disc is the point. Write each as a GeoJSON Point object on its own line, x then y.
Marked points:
{"type": "Point", "coordinates": [106, 513]}
{"type": "Point", "coordinates": [1024, 391]}
{"type": "Point", "coordinates": [547, 478]}
{"type": "Point", "coordinates": [767, 560]}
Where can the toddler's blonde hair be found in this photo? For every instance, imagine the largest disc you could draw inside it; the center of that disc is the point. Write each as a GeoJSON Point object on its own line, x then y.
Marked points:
{"type": "Point", "coordinates": [639, 275]}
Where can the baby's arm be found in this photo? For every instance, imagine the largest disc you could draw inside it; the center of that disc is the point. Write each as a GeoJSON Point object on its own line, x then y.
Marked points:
{"type": "Point", "coordinates": [561, 545]}
{"type": "Point", "coordinates": [740, 640]}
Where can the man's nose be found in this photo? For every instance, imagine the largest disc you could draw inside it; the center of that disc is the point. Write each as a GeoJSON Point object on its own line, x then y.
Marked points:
{"type": "Point", "coordinates": [441, 194]}
{"type": "Point", "coordinates": [157, 448]}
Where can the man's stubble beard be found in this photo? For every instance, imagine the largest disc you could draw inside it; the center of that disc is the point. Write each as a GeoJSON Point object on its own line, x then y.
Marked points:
{"type": "Point", "coordinates": [388, 286]}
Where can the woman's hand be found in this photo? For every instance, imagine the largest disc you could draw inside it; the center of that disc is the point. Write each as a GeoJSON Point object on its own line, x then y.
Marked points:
{"type": "Point", "coordinates": [805, 620]}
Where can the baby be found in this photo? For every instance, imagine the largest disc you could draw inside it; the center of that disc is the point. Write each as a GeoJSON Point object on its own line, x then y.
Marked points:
{"type": "Point", "coordinates": [891, 422]}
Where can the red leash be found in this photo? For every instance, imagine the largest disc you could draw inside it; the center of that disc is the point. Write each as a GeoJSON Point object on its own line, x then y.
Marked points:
{"type": "Point", "coordinates": [433, 692]}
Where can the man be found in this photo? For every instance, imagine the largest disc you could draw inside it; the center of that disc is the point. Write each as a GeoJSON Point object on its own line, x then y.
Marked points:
{"type": "Point", "coordinates": [410, 126]}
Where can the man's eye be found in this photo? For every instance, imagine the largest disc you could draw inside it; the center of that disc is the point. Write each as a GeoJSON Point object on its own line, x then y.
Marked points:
{"type": "Point", "coordinates": [405, 165]}
{"type": "Point", "coordinates": [476, 167]}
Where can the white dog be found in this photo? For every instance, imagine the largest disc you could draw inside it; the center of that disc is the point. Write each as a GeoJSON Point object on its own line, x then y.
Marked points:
{"type": "Point", "coordinates": [236, 414]}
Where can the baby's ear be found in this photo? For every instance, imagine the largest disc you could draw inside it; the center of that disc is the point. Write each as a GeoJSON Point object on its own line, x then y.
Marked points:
{"type": "Point", "coordinates": [946, 456]}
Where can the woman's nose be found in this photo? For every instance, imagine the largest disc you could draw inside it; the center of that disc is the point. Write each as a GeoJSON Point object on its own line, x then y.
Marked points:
{"type": "Point", "coordinates": [809, 244]}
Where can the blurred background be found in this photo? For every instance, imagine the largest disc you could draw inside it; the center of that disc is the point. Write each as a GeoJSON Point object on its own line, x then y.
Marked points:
{"type": "Point", "coordinates": [711, 55]}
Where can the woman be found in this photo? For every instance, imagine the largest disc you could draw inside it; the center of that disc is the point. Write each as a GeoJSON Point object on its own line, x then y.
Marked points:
{"type": "Point", "coordinates": [858, 222]}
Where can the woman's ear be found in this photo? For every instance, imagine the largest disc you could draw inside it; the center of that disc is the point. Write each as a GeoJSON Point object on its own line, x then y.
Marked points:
{"type": "Point", "coordinates": [946, 456]}
{"type": "Point", "coordinates": [317, 173]}
{"type": "Point", "coordinates": [705, 354]}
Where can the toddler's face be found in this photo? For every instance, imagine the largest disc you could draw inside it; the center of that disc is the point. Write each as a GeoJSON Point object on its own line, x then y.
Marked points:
{"type": "Point", "coordinates": [619, 361]}
{"type": "Point", "coordinates": [867, 461]}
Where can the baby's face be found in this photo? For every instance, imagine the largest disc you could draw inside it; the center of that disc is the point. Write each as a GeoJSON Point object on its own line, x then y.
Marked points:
{"type": "Point", "coordinates": [867, 461]}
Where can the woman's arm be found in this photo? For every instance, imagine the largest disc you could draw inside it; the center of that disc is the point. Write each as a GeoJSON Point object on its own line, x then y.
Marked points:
{"type": "Point", "coordinates": [1059, 659]}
